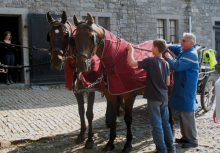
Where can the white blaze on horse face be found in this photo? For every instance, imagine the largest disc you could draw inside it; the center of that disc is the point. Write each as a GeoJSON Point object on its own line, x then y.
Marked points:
{"type": "Point", "coordinates": [57, 31]}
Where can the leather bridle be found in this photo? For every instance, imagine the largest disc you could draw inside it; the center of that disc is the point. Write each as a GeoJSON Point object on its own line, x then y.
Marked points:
{"type": "Point", "coordinates": [69, 33]}
{"type": "Point", "coordinates": [96, 41]}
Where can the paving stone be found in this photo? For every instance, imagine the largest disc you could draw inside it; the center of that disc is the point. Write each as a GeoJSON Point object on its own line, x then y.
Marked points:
{"type": "Point", "coordinates": [5, 144]}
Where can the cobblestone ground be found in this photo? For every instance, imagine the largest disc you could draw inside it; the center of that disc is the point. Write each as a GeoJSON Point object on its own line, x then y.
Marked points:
{"type": "Point", "coordinates": [47, 121]}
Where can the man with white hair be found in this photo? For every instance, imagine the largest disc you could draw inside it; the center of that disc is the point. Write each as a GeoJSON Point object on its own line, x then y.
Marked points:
{"type": "Point", "coordinates": [183, 95]}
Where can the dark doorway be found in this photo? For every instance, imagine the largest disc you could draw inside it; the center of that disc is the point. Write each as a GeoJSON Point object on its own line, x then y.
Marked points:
{"type": "Point", "coordinates": [10, 23]}
{"type": "Point", "coordinates": [217, 45]}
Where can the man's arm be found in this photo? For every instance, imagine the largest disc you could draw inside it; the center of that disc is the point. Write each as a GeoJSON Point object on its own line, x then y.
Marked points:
{"type": "Point", "coordinates": [132, 61]}
{"type": "Point", "coordinates": [168, 81]}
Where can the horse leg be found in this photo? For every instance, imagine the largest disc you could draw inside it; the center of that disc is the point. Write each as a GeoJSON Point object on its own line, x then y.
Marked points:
{"type": "Point", "coordinates": [80, 101]}
{"type": "Point", "coordinates": [107, 115]}
{"type": "Point", "coordinates": [129, 101]}
{"type": "Point", "coordinates": [171, 120]}
{"type": "Point", "coordinates": [89, 115]}
{"type": "Point", "coordinates": [112, 104]}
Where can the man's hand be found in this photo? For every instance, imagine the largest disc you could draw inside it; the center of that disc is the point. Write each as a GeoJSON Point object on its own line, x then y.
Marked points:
{"type": "Point", "coordinates": [167, 55]}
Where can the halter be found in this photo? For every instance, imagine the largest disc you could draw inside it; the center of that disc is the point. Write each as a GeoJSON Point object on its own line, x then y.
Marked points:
{"type": "Point", "coordinates": [55, 23]}
{"type": "Point", "coordinates": [96, 41]}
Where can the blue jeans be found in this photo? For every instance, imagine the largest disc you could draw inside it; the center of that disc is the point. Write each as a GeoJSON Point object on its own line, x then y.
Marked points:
{"type": "Point", "coordinates": [159, 119]}
{"type": "Point", "coordinates": [9, 60]}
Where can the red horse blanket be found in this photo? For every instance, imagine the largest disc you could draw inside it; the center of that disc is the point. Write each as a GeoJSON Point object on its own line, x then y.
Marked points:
{"type": "Point", "coordinates": [88, 77]}
{"type": "Point", "coordinates": [123, 78]}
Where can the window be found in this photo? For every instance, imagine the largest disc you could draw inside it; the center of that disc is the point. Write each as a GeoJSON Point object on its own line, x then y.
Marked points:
{"type": "Point", "coordinates": [167, 27]}
{"type": "Point", "coordinates": [160, 29]}
{"type": "Point", "coordinates": [104, 22]}
{"type": "Point", "coordinates": [172, 37]}
{"type": "Point", "coordinates": [100, 18]}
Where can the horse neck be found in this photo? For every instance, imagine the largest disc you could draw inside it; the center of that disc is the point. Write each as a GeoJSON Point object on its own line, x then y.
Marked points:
{"type": "Point", "coordinates": [101, 47]}
{"type": "Point", "coordinates": [72, 29]}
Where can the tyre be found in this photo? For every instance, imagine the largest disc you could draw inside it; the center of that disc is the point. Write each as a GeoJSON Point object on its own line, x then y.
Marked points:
{"type": "Point", "coordinates": [208, 93]}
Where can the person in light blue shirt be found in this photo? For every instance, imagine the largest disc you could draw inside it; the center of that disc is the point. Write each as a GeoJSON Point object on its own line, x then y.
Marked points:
{"type": "Point", "coordinates": [183, 95]}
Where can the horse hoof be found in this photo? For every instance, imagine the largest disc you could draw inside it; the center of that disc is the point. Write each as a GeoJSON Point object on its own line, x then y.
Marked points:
{"type": "Point", "coordinates": [89, 145]}
{"type": "Point", "coordinates": [127, 150]}
{"type": "Point", "coordinates": [109, 148]}
{"type": "Point", "coordinates": [80, 140]}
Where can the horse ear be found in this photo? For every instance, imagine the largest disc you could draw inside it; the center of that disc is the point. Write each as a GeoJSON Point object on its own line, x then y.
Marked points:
{"type": "Point", "coordinates": [75, 20]}
{"type": "Point", "coordinates": [90, 19]}
{"type": "Point", "coordinates": [64, 17]}
{"type": "Point", "coordinates": [49, 17]}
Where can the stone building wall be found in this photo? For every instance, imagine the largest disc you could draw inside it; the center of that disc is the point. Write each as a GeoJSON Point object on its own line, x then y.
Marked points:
{"type": "Point", "coordinates": [134, 20]}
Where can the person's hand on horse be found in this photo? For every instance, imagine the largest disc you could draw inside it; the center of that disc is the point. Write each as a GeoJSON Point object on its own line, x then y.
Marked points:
{"type": "Point", "coordinates": [167, 55]}
{"type": "Point", "coordinates": [129, 47]}
{"type": "Point", "coordinates": [214, 117]}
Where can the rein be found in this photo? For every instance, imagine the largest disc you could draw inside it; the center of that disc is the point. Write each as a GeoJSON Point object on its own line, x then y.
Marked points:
{"type": "Point", "coordinates": [174, 57]}
{"type": "Point", "coordinates": [26, 47]}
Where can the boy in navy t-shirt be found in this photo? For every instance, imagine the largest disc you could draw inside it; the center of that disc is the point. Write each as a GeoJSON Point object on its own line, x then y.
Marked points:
{"type": "Point", "coordinates": [156, 93]}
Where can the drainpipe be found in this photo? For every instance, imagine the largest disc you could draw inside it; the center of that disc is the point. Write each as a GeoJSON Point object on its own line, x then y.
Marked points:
{"type": "Point", "coordinates": [190, 24]}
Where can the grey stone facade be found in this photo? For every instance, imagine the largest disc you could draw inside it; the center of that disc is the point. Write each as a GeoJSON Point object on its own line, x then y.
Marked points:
{"type": "Point", "coordinates": [132, 20]}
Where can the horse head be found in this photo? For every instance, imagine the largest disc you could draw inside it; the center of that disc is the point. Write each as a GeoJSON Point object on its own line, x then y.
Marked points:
{"type": "Point", "coordinates": [60, 31]}
{"type": "Point", "coordinates": [87, 39]}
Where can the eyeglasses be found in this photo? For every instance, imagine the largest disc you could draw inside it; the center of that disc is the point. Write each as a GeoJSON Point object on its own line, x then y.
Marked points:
{"type": "Point", "coordinates": [183, 40]}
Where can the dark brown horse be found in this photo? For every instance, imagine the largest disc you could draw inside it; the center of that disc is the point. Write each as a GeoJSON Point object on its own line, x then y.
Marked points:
{"type": "Point", "coordinates": [89, 40]}
{"type": "Point", "coordinates": [60, 31]}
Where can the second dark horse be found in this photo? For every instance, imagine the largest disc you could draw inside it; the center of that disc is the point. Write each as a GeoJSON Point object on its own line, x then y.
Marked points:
{"type": "Point", "coordinates": [60, 31]}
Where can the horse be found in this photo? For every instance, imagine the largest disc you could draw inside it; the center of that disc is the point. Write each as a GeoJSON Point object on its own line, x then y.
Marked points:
{"type": "Point", "coordinates": [89, 40]}
{"type": "Point", "coordinates": [58, 38]}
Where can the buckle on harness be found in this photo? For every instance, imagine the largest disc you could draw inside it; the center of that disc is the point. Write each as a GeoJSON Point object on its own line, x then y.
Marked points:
{"type": "Point", "coordinates": [3, 70]}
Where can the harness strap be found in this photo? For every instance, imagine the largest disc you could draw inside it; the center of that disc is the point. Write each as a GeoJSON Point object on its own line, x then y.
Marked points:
{"type": "Point", "coordinates": [107, 59]}
{"type": "Point", "coordinates": [101, 69]}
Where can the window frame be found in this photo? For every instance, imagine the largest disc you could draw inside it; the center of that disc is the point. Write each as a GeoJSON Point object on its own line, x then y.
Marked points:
{"type": "Point", "coordinates": [159, 29]}
{"type": "Point", "coordinates": [96, 16]}
{"type": "Point", "coordinates": [167, 19]}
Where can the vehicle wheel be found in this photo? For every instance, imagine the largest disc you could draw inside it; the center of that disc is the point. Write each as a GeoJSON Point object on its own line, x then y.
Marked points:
{"type": "Point", "coordinates": [208, 93]}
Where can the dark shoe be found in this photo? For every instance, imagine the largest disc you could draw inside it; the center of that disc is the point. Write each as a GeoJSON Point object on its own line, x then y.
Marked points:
{"type": "Point", "coordinates": [7, 79]}
{"type": "Point", "coordinates": [7, 82]}
{"type": "Point", "coordinates": [181, 140]}
{"type": "Point", "coordinates": [10, 79]}
{"type": "Point", "coordinates": [190, 145]}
